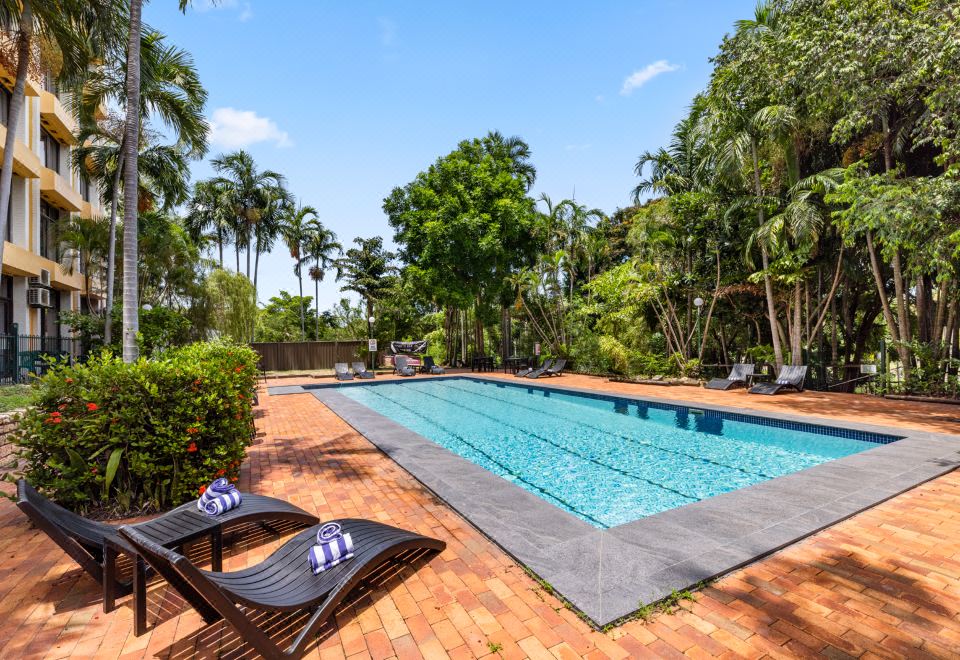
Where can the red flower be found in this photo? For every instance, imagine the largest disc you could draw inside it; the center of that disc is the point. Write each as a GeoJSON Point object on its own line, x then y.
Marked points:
{"type": "Point", "coordinates": [234, 479]}
{"type": "Point", "coordinates": [54, 414]}
{"type": "Point", "coordinates": [62, 406]}
{"type": "Point", "coordinates": [192, 447]}
{"type": "Point", "coordinates": [202, 489]}
{"type": "Point", "coordinates": [192, 430]}
{"type": "Point", "coordinates": [93, 470]}
{"type": "Point", "coordinates": [238, 369]}
{"type": "Point", "coordinates": [68, 380]}
{"type": "Point", "coordinates": [92, 406]}
{"type": "Point", "coordinates": [221, 472]}
{"type": "Point", "coordinates": [196, 382]}
{"type": "Point", "coordinates": [240, 396]}
{"type": "Point", "coordinates": [55, 420]}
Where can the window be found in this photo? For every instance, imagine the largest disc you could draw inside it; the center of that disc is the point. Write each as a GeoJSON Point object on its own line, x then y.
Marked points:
{"type": "Point", "coordinates": [84, 188]}
{"type": "Point", "coordinates": [49, 231]}
{"type": "Point", "coordinates": [6, 305]}
{"type": "Point", "coordinates": [51, 151]}
{"type": "Point", "coordinates": [50, 317]}
{"type": "Point", "coordinates": [5, 97]}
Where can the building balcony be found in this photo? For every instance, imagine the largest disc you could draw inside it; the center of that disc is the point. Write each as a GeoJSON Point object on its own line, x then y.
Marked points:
{"type": "Point", "coordinates": [21, 262]}
{"type": "Point", "coordinates": [56, 119]}
{"type": "Point", "coordinates": [9, 78]}
{"type": "Point", "coordinates": [57, 190]}
{"type": "Point", "coordinates": [26, 164]}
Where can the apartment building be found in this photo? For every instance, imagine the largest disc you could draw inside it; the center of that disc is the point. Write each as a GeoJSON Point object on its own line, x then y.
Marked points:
{"type": "Point", "coordinates": [40, 276]}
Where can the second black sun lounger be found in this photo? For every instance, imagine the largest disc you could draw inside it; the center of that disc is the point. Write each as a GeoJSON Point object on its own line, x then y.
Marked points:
{"type": "Point", "coordinates": [554, 369]}
{"type": "Point", "coordinates": [96, 545]}
{"type": "Point", "coordinates": [739, 376]}
{"type": "Point", "coordinates": [342, 371]}
{"type": "Point", "coordinates": [284, 582]}
{"type": "Point", "coordinates": [548, 363]}
{"type": "Point", "coordinates": [789, 378]}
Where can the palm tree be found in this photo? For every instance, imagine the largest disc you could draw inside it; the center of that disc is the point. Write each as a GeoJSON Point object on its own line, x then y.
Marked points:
{"type": "Point", "coordinates": [249, 192]}
{"type": "Point", "coordinates": [322, 245]}
{"type": "Point", "coordinates": [367, 270]}
{"type": "Point", "coordinates": [164, 171]}
{"type": "Point", "coordinates": [77, 29]}
{"type": "Point", "coordinates": [208, 212]}
{"type": "Point", "coordinates": [88, 237]}
{"type": "Point", "coordinates": [515, 150]}
{"type": "Point", "coordinates": [299, 224]}
{"type": "Point", "coordinates": [169, 87]}
{"type": "Point", "coordinates": [277, 205]}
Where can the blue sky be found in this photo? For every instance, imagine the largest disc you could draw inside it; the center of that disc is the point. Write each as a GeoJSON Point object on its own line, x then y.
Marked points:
{"type": "Point", "coordinates": [349, 99]}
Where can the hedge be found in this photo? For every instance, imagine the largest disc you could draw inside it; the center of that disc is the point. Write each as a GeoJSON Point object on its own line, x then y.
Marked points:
{"type": "Point", "coordinates": [142, 436]}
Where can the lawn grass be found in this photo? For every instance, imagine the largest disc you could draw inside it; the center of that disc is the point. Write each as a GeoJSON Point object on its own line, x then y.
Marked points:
{"type": "Point", "coordinates": [14, 397]}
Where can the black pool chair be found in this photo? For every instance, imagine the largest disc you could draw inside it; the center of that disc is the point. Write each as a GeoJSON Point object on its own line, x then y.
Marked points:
{"type": "Point", "coordinates": [360, 369]}
{"type": "Point", "coordinates": [739, 376]}
{"type": "Point", "coordinates": [342, 371]}
{"type": "Point", "coordinates": [430, 367]}
{"type": "Point", "coordinates": [284, 582]}
{"type": "Point", "coordinates": [96, 545]}
{"type": "Point", "coordinates": [549, 370]}
{"type": "Point", "coordinates": [789, 378]}
{"type": "Point", "coordinates": [401, 367]}
{"type": "Point", "coordinates": [548, 363]}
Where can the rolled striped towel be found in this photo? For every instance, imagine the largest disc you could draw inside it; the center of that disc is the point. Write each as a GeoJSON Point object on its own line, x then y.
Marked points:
{"type": "Point", "coordinates": [219, 496]}
{"type": "Point", "coordinates": [333, 547]}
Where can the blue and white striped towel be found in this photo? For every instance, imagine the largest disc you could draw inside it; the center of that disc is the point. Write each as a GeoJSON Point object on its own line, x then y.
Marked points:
{"type": "Point", "coordinates": [333, 547]}
{"type": "Point", "coordinates": [219, 497]}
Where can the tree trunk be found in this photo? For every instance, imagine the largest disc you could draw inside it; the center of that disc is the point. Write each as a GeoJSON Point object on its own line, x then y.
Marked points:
{"type": "Point", "coordinates": [131, 310]}
{"type": "Point", "coordinates": [220, 244]}
{"type": "Point", "coordinates": [249, 244]}
{"type": "Point", "coordinates": [767, 280]}
{"type": "Point", "coordinates": [303, 323]}
{"type": "Point", "coordinates": [796, 355]}
{"type": "Point", "coordinates": [112, 251]}
{"type": "Point", "coordinates": [316, 305]}
{"type": "Point", "coordinates": [24, 43]}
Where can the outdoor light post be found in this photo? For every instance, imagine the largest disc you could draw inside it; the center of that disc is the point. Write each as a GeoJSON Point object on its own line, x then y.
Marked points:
{"type": "Point", "coordinates": [371, 346]}
{"type": "Point", "coordinates": [698, 303]}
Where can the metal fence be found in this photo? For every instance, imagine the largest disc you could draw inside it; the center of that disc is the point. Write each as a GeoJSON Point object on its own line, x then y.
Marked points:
{"type": "Point", "coordinates": [23, 355]}
{"type": "Point", "coordinates": [308, 355]}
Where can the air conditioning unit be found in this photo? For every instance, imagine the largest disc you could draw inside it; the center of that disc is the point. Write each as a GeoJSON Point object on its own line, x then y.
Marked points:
{"type": "Point", "coordinates": [37, 297]}
{"type": "Point", "coordinates": [40, 280]}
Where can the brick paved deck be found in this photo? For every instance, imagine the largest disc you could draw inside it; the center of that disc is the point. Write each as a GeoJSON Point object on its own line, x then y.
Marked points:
{"type": "Point", "coordinates": [885, 583]}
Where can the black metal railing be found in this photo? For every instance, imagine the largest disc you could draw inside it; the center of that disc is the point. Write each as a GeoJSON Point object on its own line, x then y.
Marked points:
{"type": "Point", "coordinates": [23, 355]}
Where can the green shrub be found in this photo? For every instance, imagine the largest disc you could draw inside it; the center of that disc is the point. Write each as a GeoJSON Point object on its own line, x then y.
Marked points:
{"type": "Point", "coordinates": [125, 437]}
{"type": "Point", "coordinates": [614, 354]}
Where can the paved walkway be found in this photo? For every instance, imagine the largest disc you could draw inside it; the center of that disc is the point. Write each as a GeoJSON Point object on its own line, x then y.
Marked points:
{"type": "Point", "coordinates": [885, 583]}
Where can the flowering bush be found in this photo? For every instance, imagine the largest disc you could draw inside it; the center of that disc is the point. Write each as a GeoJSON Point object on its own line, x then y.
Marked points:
{"type": "Point", "coordinates": [148, 435]}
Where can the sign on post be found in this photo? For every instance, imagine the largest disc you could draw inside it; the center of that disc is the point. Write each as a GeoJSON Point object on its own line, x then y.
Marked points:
{"type": "Point", "coordinates": [372, 345]}
{"type": "Point", "coordinates": [536, 349]}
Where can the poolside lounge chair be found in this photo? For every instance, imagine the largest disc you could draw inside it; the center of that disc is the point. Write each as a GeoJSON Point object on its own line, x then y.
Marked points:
{"type": "Point", "coordinates": [283, 582]}
{"type": "Point", "coordinates": [342, 371]}
{"type": "Point", "coordinates": [526, 372]}
{"type": "Point", "coordinates": [740, 374]}
{"type": "Point", "coordinates": [789, 378]}
{"type": "Point", "coordinates": [400, 366]}
{"type": "Point", "coordinates": [554, 369]}
{"type": "Point", "coordinates": [96, 545]}
{"type": "Point", "coordinates": [360, 369]}
{"type": "Point", "coordinates": [429, 367]}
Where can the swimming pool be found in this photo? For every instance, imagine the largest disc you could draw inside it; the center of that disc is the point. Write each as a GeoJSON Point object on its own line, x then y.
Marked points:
{"type": "Point", "coordinates": [606, 460]}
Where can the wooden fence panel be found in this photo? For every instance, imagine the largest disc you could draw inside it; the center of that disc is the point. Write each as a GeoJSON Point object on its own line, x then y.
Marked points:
{"type": "Point", "coordinates": [304, 355]}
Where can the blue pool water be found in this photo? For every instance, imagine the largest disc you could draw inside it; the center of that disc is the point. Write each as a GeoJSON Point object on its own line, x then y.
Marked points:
{"type": "Point", "coordinates": [607, 461]}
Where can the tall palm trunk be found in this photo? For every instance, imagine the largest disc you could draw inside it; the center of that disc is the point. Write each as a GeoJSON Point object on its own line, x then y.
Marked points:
{"type": "Point", "coordinates": [220, 244]}
{"type": "Point", "coordinates": [131, 320]}
{"type": "Point", "coordinates": [767, 281]}
{"type": "Point", "coordinates": [316, 302]}
{"type": "Point", "coordinates": [112, 252]}
{"type": "Point", "coordinates": [256, 269]}
{"type": "Point", "coordinates": [16, 106]}
{"type": "Point", "coordinates": [303, 321]}
{"type": "Point", "coordinates": [249, 245]}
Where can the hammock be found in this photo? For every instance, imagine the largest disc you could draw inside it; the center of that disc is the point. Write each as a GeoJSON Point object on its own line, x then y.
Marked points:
{"type": "Point", "coordinates": [418, 346]}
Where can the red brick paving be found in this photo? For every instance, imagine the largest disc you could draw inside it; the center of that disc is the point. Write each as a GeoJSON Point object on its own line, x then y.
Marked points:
{"type": "Point", "coordinates": [884, 584]}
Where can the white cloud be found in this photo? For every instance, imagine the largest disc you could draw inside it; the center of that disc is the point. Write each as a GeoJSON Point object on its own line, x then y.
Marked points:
{"type": "Point", "coordinates": [232, 129]}
{"type": "Point", "coordinates": [244, 8]}
{"type": "Point", "coordinates": [640, 77]}
{"type": "Point", "coordinates": [388, 31]}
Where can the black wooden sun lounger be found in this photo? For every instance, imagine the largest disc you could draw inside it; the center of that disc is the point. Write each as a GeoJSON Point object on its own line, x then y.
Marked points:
{"type": "Point", "coordinates": [284, 582]}
{"type": "Point", "coordinates": [360, 369]}
{"type": "Point", "coordinates": [342, 371]}
{"type": "Point", "coordinates": [789, 378]}
{"type": "Point", "coordinates": [554, 369]}
{"type": "Point", "coordinates": [547, 364]}
{"type": "Point", "coordinates": [739, 376]}
{"type": "Point", "coordinates": [430, 367]}
{"type": "Point", "coordinates": [96, 545]}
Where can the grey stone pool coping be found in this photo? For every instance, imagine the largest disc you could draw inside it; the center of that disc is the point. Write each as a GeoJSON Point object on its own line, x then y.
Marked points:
{"type": "Point", "coordinates": [608, 573]}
